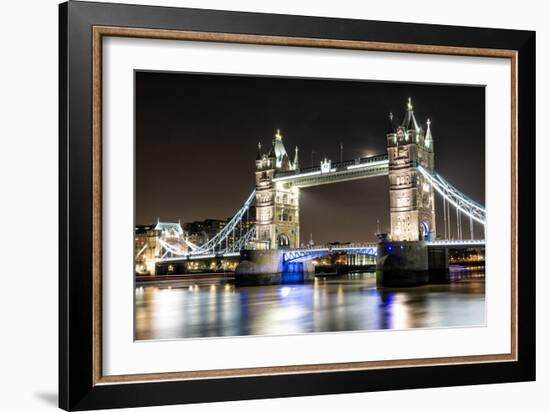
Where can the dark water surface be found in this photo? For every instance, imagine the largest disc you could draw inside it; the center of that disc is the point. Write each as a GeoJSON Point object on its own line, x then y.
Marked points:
{"type": "Point", "coordinates": [215, 307]}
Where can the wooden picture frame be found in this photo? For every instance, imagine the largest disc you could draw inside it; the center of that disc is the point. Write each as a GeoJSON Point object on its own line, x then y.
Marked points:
{"type": "Point", "coordinates": [82, 27]}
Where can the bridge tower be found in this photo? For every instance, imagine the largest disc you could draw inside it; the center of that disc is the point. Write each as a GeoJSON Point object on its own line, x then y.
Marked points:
{"type": "Point", "coordinates": [277, 205]}
{"type": "Point", "coordinates": [412, 208]}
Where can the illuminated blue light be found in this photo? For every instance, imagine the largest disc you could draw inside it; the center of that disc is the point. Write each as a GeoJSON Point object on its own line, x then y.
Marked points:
{"type": "Point", "coordinates": [285, 291]}
{"type": "Point", "coordinates": [292, 277]}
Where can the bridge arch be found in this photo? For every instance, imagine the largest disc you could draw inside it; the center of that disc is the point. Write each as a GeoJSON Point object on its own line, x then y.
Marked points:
{"type": "Point", "coordinates": [424, 231]}
{"type": "Point", "coordinates": [283, 241]}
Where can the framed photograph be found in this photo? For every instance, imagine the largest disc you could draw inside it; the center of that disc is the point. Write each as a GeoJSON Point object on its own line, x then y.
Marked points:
{"type": "Point", "coordinates": [258, 205]}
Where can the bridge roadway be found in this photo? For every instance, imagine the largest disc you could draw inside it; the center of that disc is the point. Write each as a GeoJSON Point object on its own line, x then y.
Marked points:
{"type": "Point", "coordinates": [303, 254]}
{"type": "Point", "coordinates": [300, 255]}
{"type": "Point", "coordinates": [335, 172]}
{"type": "Point", "coordinates": [297, 255]}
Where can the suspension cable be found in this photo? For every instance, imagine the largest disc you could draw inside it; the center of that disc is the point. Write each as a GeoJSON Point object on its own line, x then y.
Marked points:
{"type": "Point", "coordinates": [455, 197]}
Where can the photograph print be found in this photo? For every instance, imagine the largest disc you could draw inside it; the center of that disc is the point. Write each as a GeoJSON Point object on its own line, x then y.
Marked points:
{"type": "Point", "coordinates": [282, 206]}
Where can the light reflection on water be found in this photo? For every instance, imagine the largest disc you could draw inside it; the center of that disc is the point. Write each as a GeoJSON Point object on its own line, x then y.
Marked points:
{"type": "Point", "coordinates": [209, 308]}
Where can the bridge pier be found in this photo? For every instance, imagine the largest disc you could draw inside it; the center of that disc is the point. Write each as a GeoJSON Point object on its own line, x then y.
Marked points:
{"type": "Point", "coordinates": [402, 264]}
{"type": "Point", "coordinates": [411, 264]}
{"type": "Point", "coordinates": [438, 263]}
{"type": "Point", "coordinates": [266, 267]}
{"type": "Point", "coordinates": [398, 264]}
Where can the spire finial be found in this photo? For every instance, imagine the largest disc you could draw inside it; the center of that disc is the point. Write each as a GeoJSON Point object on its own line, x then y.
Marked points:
{"type": "Point", "coordinates": [428, 139]}
{"type": "Point", "coordinates": [278, 135]}
{"type": "Point", "coordinates": [259, 154]}
{"type": "Point", "coordinates": [409, 104]}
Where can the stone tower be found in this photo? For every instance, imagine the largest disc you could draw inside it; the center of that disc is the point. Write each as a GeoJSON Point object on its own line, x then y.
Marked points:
{"type": "Point", "coordinates": [277, 204]}
{"type": "Point", "coordinates": [412, 209]}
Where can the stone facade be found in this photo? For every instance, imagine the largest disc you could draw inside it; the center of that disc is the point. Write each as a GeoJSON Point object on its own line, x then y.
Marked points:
{"type": "Point", "coordinates": [277, 205]}
{"type": "Point", "coordinates": [146, 249]}
{"type": "Point", "coordinates": [412, 208]}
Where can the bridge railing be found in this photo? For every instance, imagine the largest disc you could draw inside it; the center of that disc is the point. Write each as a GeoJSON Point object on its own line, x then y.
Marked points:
{"type": "Point", "coordinates": [320, 250]}
{"type": "Point", "coordinates": [456, 242]}
{"type": "Point", "coordinates": [343, 165]}
{"type": "Point", "coordinates": [340, 246]}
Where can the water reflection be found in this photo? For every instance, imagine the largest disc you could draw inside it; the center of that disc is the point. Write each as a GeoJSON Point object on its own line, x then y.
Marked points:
{"type": "Point", "coordinates": [188, 308]}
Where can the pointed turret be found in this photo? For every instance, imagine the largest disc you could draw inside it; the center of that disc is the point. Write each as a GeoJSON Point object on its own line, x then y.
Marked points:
{"type": "Point", "coordinates": [392, 124]}
{"type": "Point", "coordinates": [428, 138]}
{"type": "Point", "coordinates": [409, 121]}
{"type": "Point", "coordinates": [295, 165]}
{"type": "Point", "coordinates": [272, 151]}
{"type": "Point", "coordinates": [259, 154]}
{"type": "Point", "coordinates": [285, 162]}
{"type": "Point", "coordinates": [278, 148]}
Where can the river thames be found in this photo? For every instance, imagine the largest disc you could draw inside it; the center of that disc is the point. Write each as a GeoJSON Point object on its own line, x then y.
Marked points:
{"type": "Point", "coordinates": [211, 307]}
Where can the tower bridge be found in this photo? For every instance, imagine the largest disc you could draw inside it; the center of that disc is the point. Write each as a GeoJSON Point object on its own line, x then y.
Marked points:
{"type": "Point", "coordinates": [413, 184]}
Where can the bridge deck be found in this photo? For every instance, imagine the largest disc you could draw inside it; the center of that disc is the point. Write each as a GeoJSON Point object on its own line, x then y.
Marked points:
{"type": "Point", "coordinates": [336, 172]}
{"type": "Point", "coordinates": [362, 248]}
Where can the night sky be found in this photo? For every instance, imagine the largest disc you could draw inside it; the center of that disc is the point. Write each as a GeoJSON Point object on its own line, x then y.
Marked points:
{"type": "Point", "coordinates": [197, 136]}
